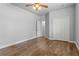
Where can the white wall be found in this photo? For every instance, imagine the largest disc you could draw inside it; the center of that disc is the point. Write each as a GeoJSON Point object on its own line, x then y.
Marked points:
{"type": "Point", "coordinates": [62, 24]}
{"type": "Point", "coordinates": [16, 24]}
{"type": "Point", "coordinates": [42, 21]}
{"type": "Point", "coordinates": [39, 26]}
{"type": "Point", "coordinates": [77, 23]}
{"type": "Point", "coordinates": [47, 25]}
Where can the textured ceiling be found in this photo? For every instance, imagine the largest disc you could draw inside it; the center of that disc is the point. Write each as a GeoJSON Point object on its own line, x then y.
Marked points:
{"type": "Point", "coordinates": [51, 7]}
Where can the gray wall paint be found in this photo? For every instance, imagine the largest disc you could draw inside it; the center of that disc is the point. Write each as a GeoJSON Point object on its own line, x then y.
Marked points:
{"type": "Point", "coordinates": [63, 14]}
{"type": "Point", "coordinates": [42, 20]}
{"type": "Point", "coordinates": [77, 23]}
{"type": "Point", "coordinates": [39, 26]}
{"type": "Point", "coordinates": [16, 24]}
{"type": "Point", "coordinates": [47, 24]}
{"type": "Point", "coordinates": [72, 23]}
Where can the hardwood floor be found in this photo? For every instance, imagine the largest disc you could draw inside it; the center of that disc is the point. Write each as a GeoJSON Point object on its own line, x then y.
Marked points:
{"type": "Point", "coordinates": [41, 47]}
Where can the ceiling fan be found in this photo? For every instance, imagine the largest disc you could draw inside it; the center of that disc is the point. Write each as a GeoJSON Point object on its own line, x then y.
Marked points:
{"type": "Point", "coordinates": [37, 6]}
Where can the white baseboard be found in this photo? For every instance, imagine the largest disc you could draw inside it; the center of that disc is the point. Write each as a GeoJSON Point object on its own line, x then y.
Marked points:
{"type": "Point", "coordinates": [4, 46]}
{"type": "Point", "coordinates": [76, 42]}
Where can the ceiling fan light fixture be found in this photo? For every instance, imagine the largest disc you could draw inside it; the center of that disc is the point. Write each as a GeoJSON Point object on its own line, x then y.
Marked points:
{"type": "Point", "coordinates": [36, 6]}
{"type": "Point", "coordinates": [40, 8]}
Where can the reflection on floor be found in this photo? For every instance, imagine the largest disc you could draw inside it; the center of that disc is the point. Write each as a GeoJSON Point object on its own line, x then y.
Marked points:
{"type": "Point", "coordinates": [41, 47]}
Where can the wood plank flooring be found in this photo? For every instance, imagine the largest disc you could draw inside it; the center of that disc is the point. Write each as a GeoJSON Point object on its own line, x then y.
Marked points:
{"type": "Point", "coordinates": [41, 47]}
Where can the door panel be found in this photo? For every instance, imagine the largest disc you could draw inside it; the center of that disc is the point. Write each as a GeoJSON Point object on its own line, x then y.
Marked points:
{"type": "Point", "coordinates": [60, 28]}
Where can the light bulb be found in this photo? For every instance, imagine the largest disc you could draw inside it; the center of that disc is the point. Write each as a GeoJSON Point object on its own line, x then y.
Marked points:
{"type": "Point", "coordinates": [37, 5]}
{"type": "Point", "coordinates": [39, 8]}
{"type": "Point", "coordinates": [34, 8]}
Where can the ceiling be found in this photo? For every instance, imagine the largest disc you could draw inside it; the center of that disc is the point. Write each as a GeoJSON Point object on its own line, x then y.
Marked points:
{"type": "Point", "coordinates": [51, 7]}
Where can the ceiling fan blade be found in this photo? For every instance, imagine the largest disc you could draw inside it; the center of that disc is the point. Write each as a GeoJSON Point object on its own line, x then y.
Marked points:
{"type": "Point", "coordinates": [28, 5]}
{"type": "Point", "coordinates": [44, 5]}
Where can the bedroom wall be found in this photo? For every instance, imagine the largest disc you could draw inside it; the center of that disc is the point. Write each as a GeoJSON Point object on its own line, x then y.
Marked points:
{"type": "Point", "coordinates": [39, 26]}
{"type": "Point", "coordinates": [77, 23]}
{"type": "Point", "coordinates": [42, 21]}
{"type": "Point", "coordinates": [47, 25]}
{"type": "Point", "coordinates": [62, 24]}
{"type": "Point", "coordinates": [16, 24]}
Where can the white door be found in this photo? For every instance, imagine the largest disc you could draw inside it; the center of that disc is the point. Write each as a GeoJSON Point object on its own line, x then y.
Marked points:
{"type": "Point", "coordinates": [61, 28]}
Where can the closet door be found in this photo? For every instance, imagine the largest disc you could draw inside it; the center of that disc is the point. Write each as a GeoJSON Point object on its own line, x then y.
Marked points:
{"type": "Point", "coordinates": [60, 29]}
